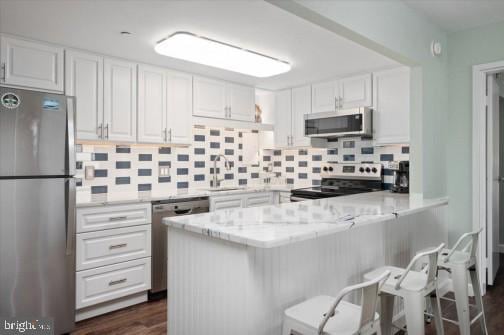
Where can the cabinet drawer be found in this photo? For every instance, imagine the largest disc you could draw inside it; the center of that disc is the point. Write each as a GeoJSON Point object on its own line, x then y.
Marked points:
{"type": "Point", "coordinates": [111, 282]}
{"type": "Point", "coordinates": [225, 202]}
{"type": "Point", "coordinates": [113, 216]}
{"type": "Point", "coordinates": [261, 199]}
{"type": "Point", "coordinates": [112, 246]}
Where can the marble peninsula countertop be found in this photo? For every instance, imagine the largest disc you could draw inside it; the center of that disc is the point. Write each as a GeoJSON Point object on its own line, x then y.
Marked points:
{"type": "Point", "coordinates": [277, 225]}
{"type": "Point", "coordinates": [88, 200]}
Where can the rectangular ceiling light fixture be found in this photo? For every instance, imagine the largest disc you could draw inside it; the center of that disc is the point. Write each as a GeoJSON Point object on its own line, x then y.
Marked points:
{"type": "Point", "coordinates": [202, 50]}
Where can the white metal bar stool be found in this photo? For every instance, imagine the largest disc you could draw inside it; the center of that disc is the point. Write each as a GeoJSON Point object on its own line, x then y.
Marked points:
{"type": "Point", "coordinates": [413, 287]}
{"type": "Point", "coordinates": [333, 316]}
{"type": "Point", "coordinates": [459, 261]}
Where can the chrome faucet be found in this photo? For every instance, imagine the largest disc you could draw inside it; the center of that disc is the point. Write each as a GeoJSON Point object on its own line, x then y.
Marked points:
{"type": "Point", "coordinates": [216, 181]}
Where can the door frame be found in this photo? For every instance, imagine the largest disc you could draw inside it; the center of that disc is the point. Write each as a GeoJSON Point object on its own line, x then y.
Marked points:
{"type": "Point", "coordinates": [479, 160]}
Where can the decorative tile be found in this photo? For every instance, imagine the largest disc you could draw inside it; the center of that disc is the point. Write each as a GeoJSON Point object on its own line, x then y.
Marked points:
{"type": "Point", "coordinates": [164, 150]}
{"type": "Point", "coordinates": [214, 132]}
{"type": "Point", "coordinates": [99, 189]}
{"type": "Point", "coordinates": [145, 157]}
{"type": "Point", "coordinates": [367, 150]}
{"type": "Point", "coordinates": [101, 173]}
{"type": "Point", "coordinates": [199, 164]}
{"type": "Point", "coordinates": [348, 144]}
{"type": "Point", "coordinates": [164, 163]}
{"type": "Point", "coordinates": [183, 184]}
{"type": "Point", "coordinates": [302, 163]}
{"type": "Point", "coordinates": [199, 151]}
{"type": "Point", "coordinates": [214, 145]}
{"type": "Point", "coordinates": [405, 150]}
{"type": "Point", "coordinates": [199, 177]}
{"type": "Point", "coordinates": [123, 165]}
{"type": "Point", "coordinates": [199, 138]}
{"type": "Point", "coordinates": [123, 149]}
{"type": "Point", "coordinates": [145, 172]}
{"type": "Point", "coordinates": [99, 157]}
{"type": "Point", "coordinates": [228, 152]}
{"type": "Point", "coordinates": [386, 157]}
{"type": "Point", "coordinates": [183, 158]}
{"type": "Point", "coordinates": [348, 158]}
{"type": "Point", "coordinates": [122, 180]}
{"type": "Point", "coordinates": [182, 171]}
{"type": "Point", "coordinates": [316, 158]}
{"type": "Point", "coordinates": [164, 179]}
{"type": "Point", "coordinates": [229, 139]}
{"type": "Point", "coordinates": [144, 187]}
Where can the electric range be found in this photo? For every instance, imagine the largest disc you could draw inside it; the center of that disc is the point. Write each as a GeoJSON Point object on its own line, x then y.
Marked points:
{"type": "Point", "coordinates": [342, 179]}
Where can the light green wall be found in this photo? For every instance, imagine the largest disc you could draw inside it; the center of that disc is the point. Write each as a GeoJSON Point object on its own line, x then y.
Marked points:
{"type": "Point", "coordinates": [466, 48]}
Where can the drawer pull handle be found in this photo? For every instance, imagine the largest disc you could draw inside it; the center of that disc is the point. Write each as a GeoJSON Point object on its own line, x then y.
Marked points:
{"type": "Point", "coordinates": [118, 218]}
{"type": "Point", "coordinates": [115, 282]}
{"type": "Point", "coordinates": [117, 246]}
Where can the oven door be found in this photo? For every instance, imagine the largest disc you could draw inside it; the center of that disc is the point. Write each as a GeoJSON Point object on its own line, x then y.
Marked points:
{"type": "Point", "coordinates": [354, 122]}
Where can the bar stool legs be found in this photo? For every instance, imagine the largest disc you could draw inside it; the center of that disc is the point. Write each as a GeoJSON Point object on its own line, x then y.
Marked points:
{"type": "Point", "coordinates": [477, 296]}
{"type": "Point", "coordinates": [386, 312]}
{"type": "Point", "coordinates": [436, 312]}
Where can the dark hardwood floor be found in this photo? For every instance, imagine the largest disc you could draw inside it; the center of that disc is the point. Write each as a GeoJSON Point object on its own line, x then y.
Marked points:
{"type": "Point", "coordinates": [150, 318]}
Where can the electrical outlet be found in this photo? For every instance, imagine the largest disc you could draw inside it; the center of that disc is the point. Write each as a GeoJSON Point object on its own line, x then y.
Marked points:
{"type": "Point", "coordinates": [164, 171]}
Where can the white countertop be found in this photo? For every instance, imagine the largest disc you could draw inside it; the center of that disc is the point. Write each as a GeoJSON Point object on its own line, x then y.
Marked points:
{"type": "Point", "coordinates": [276, 225]}
{"type": "Point", "coordinates": [87, 200]}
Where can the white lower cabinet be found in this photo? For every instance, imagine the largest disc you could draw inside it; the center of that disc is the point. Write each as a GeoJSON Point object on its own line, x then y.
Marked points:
{"type": "Point", "coordinates": [113, 257]}
{"type": "Point", "coordinates": [283, 197]}
{"type": "Point", "coordinates": [111, 282]}
{"type": "Point", "coordinates": [107, 247]}
{"type": "Point", "coordinates": [241, 200]}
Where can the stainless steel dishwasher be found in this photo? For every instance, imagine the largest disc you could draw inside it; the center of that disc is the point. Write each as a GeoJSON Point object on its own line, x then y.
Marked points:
{"type": "Point", "coordinates": [162, 209]}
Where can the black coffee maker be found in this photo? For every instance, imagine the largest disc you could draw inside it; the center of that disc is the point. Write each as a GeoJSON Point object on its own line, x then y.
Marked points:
{"type": "Point", "coordinates": [401, 176]}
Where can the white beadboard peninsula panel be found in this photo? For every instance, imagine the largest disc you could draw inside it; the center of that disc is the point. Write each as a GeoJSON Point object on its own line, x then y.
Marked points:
{"type": "Point", "coordinates": [112, 216]}
{"type": "Point", "coordinates": [236, 289]}
{"type": "Point", "coordinates": [112, 246]}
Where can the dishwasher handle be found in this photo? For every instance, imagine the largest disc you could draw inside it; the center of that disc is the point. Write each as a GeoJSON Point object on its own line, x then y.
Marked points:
{"type": "Point", "coordinates": [183, 211]}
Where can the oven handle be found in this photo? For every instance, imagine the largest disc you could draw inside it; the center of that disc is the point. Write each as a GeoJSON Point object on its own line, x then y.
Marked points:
{"type": "Point", "coordinates": [297, 199]}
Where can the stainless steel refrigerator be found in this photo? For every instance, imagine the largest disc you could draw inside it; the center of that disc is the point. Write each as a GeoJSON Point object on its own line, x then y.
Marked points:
{"type": "Point", "coordinates": [37, 207]}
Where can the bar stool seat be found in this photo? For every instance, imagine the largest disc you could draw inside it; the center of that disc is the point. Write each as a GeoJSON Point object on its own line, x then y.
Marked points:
{"type": "Point", "coordinates": [305, 317]}
{"type": "Point", "coordinates": [414, 281]}
{"type": "Point", "coordinates": [326, 315]}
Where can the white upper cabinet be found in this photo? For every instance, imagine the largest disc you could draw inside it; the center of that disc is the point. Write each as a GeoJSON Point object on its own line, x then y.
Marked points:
{"type": "Point", "coordinates": [179, 100]}
{"type": "Point", "coordinates": [164, 106]}
{"type": "Point", "coordinates": [29, 64]}
{"type": "Point", "coordinates": [84, 81]}
{"type": "Point", "coordinates": [210, 98]}
{"type": "Point", "coordinates": [283, 118]}
{"type": "Point", "coordinates": [120, 103]}
{"type": "Point", "coordinates": [344, 93]}
{"type": "Point", "coordinates": [301, 105]}
{"type": "Point", "coordinates": [151, 104]}
{"type": "Point", "coordinates": [324, 96]}
{"type": "Point", "coordinates": [219, 99]}
{"type": "Point", "coordinates": [241, 102]}
{"type": "Point", "coordinates": [355, 91]}
{"type": "Point", "coordinates": [391, 91]}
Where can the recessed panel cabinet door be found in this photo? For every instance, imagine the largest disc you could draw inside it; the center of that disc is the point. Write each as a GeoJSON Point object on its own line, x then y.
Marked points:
{"type": "Point", "coordinates": [301, 105]}
{"type": "Point", "coordinates": [391, 106]}
{"type": "Point", "coordinates": [241, 102]}
{"type": "Point", "coordinates": [283, 121]}
{"type": "Point", "coordinates": [355, 91]}
{"type": "Point", "coordinates": [120, 100]}
{"type": "Point", "coordinates": [84, 81]}
{"type": "Point", "coordinates": [179, 111]}
{"type": "Point", "coordinates": [31, 64]}
{"type": "Point", "coordinates": [151, 105]}
{"type": "Point", "coordinates": [209, 98]}
{"type": "Point", "coordinates": [324, 96]}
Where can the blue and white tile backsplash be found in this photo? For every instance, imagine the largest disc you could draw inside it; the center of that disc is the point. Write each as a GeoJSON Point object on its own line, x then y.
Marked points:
{"type": "Point", "coordinates": [135, 168]}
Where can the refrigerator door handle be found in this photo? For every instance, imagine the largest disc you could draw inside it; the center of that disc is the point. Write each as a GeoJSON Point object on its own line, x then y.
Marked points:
{"type": "Point", "coordinates": [71, 215]}
{"type": "Point", "coordinates": [71, 135]}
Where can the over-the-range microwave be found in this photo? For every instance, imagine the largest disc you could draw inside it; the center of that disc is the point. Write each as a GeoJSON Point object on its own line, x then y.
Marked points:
{"type": "Point", "coordinates": [348, 122]}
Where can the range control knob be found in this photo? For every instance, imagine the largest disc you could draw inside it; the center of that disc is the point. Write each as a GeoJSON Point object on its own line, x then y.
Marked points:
{"type": "Point", "coordinates": [324, 168]}
{"type": "Point", "coordinates": [368, 170]}
{"type": "Point", "coordinates": [361, 170]}
{"type": "Point", "coordinates": [374, 170]}
{"type": "Point", "coordinates": [331, 169]}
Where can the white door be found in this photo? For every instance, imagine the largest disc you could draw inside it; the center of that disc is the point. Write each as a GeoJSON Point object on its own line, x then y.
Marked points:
{"type": "Point", "coordinates": [324, 96]}
{"type": "Point", "coordinates": [84, 81]}
{"type": "Point", "coordinates": [355, 91]}
{"type": "Point", "coordinates": [151, 105]}
{"type": "Point", "coordinates": [179, 110]}
{"type": "Point", "coordinates": [301, 105]}
{"type": "Point", "coordinates": [31, 64]}
{"type": "Point", "coordinates": [241, 102]}
{"type": "Point", "coordinates": [493, 178]}
{"type": "Point", "coordinates": [391, 91]}
{"type": "Point", "coordinates": [283, 121]}
{"type": "Point", "coordinates": [209, 98]}
{"type": "Point", "coordinates": [120, 105]}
